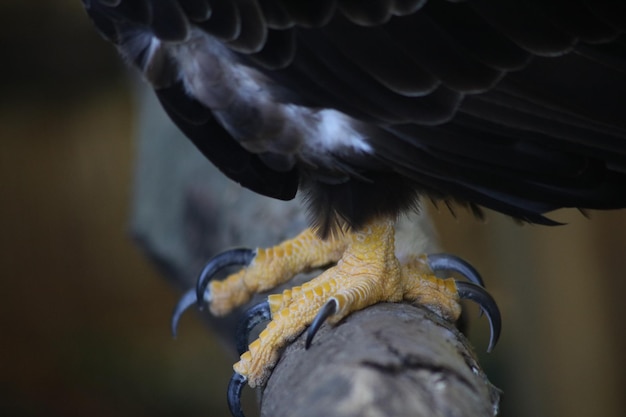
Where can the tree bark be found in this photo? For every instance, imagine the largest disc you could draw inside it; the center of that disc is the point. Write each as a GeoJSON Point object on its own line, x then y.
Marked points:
{"type": "Point", "coordinates": [387, 360]}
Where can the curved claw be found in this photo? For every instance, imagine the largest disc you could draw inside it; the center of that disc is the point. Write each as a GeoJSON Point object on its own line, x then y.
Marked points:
{"type": "Point", "coordinates": [242, 256]}
{"type": "Point", "coordinates": [476, 293]}
{"type": "Point", "coordinates": [187, 300]}
{"type": "Point", "coordinates": [235, 386]}
{"type": "Point", "coordinates": [255, 315]}
{"type": "Point", "coordinates": [447, 262]}
{"type": "Point", "coordinates": [325, 312]}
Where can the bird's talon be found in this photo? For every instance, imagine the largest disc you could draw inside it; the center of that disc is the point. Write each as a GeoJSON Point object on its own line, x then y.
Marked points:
{"type": "Point", "coordinates": [201, 294]}
{"type": "Point", "coordinates": [187, 300]}
{"type": "Point", "coordinates": [327, 310]}
{"type": "Point", "coordinates": [254, 316]}
{"type": "Point", "coordinates": [451, 263]}
{"type": "Point", "coordinates": [476, 293]}
{"type": "Point", "coordinates": [235, 386]}
{"type": "Point", "coordinates": [233, 257]}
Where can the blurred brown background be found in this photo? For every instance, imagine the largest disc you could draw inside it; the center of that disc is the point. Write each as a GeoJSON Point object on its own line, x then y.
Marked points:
{"type": "Point", "coordinates": [84, 316]}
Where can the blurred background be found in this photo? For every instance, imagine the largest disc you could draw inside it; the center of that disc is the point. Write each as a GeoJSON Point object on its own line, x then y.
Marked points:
{"type": "Point", "coordinates": [84, 314]}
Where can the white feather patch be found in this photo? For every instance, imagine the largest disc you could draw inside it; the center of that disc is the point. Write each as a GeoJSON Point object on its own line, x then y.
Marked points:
{"type": "Point", "coordinates": [335, 132]}
{"type": "Point", "coordinates": [212, 75]}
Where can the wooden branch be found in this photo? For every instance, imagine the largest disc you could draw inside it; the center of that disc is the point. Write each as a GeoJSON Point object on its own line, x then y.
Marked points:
{"type": "Point", "coordinates": [387, 360]}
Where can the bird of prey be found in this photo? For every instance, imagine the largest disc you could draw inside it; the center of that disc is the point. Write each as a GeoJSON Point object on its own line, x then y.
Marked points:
{"type": "Point", "coordinates": [514, 105]}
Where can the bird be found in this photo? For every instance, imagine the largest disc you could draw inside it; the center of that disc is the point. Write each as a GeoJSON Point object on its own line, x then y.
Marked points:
{"type": "Point", "coordinates": [366, 107]}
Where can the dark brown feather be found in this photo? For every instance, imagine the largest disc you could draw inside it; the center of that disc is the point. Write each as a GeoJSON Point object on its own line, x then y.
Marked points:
{"type": "Point", "coordinates": [519, 106]}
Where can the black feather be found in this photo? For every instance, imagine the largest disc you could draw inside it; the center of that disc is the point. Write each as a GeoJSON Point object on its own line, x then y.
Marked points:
{"type": "Point", "coordinates": [222, 150]}
{"type": "Point", "coordinates": [224, 22]}
{"type": "Point", "coordinates": [196, 10]}
{"type": "Point", "coordinates": [514, 105]}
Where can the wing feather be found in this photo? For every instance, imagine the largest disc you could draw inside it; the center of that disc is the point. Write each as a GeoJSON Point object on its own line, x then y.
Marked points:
{"type": "Point", "coordinates": [515, 105]}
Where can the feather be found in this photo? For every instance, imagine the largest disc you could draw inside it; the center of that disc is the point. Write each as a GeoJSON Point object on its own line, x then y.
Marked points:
{"type": "Point", "coordinates": [168, 21]}
{"type": "Point", "coordinates": [224, 22]}
{"type": "Point", "coordinates": [253, 34]}
{"type": "Point", "coordinates": [196, 10]}
{"type": "Point", "coordinates": [308, 14]}
{"type": "Point", "coordinates": [518, 106]}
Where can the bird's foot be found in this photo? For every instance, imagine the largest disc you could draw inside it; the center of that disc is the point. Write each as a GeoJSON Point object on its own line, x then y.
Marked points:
{"type": "Point", "coordinates": [263, 269]}
{"type": "Point", "coordinates": [366, 272]}
{"type": "Point", "coordinates": [268, 268]}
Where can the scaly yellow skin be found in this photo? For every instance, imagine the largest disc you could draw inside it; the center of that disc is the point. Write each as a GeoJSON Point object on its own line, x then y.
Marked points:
{"type": "Point", "coordinates": [366, 272]}
{"type": "Point", "coordinates": [274, 266]}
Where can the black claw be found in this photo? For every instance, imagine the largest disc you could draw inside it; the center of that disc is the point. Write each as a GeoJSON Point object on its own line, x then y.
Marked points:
{"type": "Point", "coordinates": [476, 293]}
{"type": "Point", "coordinates": [187, 300]}
{"type": "Point", "coordinates": [325, 312]}
{"type": "Point", "coordinates": [255, 315]}
{"type": "Point", "coordinates": [241, 257]}
{"type": "Point", "coordinates": [447, 262]}
{"type": "Point", "coordinates": [235, 386]}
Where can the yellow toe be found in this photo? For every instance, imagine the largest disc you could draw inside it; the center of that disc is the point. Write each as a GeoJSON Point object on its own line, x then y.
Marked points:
{"type": "Point", "coordinates": [367, 273]}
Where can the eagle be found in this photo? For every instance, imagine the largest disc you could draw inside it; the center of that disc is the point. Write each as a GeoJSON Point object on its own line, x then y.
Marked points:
{"type": "Point", "coordinates": [518, 106]}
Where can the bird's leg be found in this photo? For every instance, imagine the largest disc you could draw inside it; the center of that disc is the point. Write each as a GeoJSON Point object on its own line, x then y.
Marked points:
{"type": "Point", "coordinates": [367, 273]}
